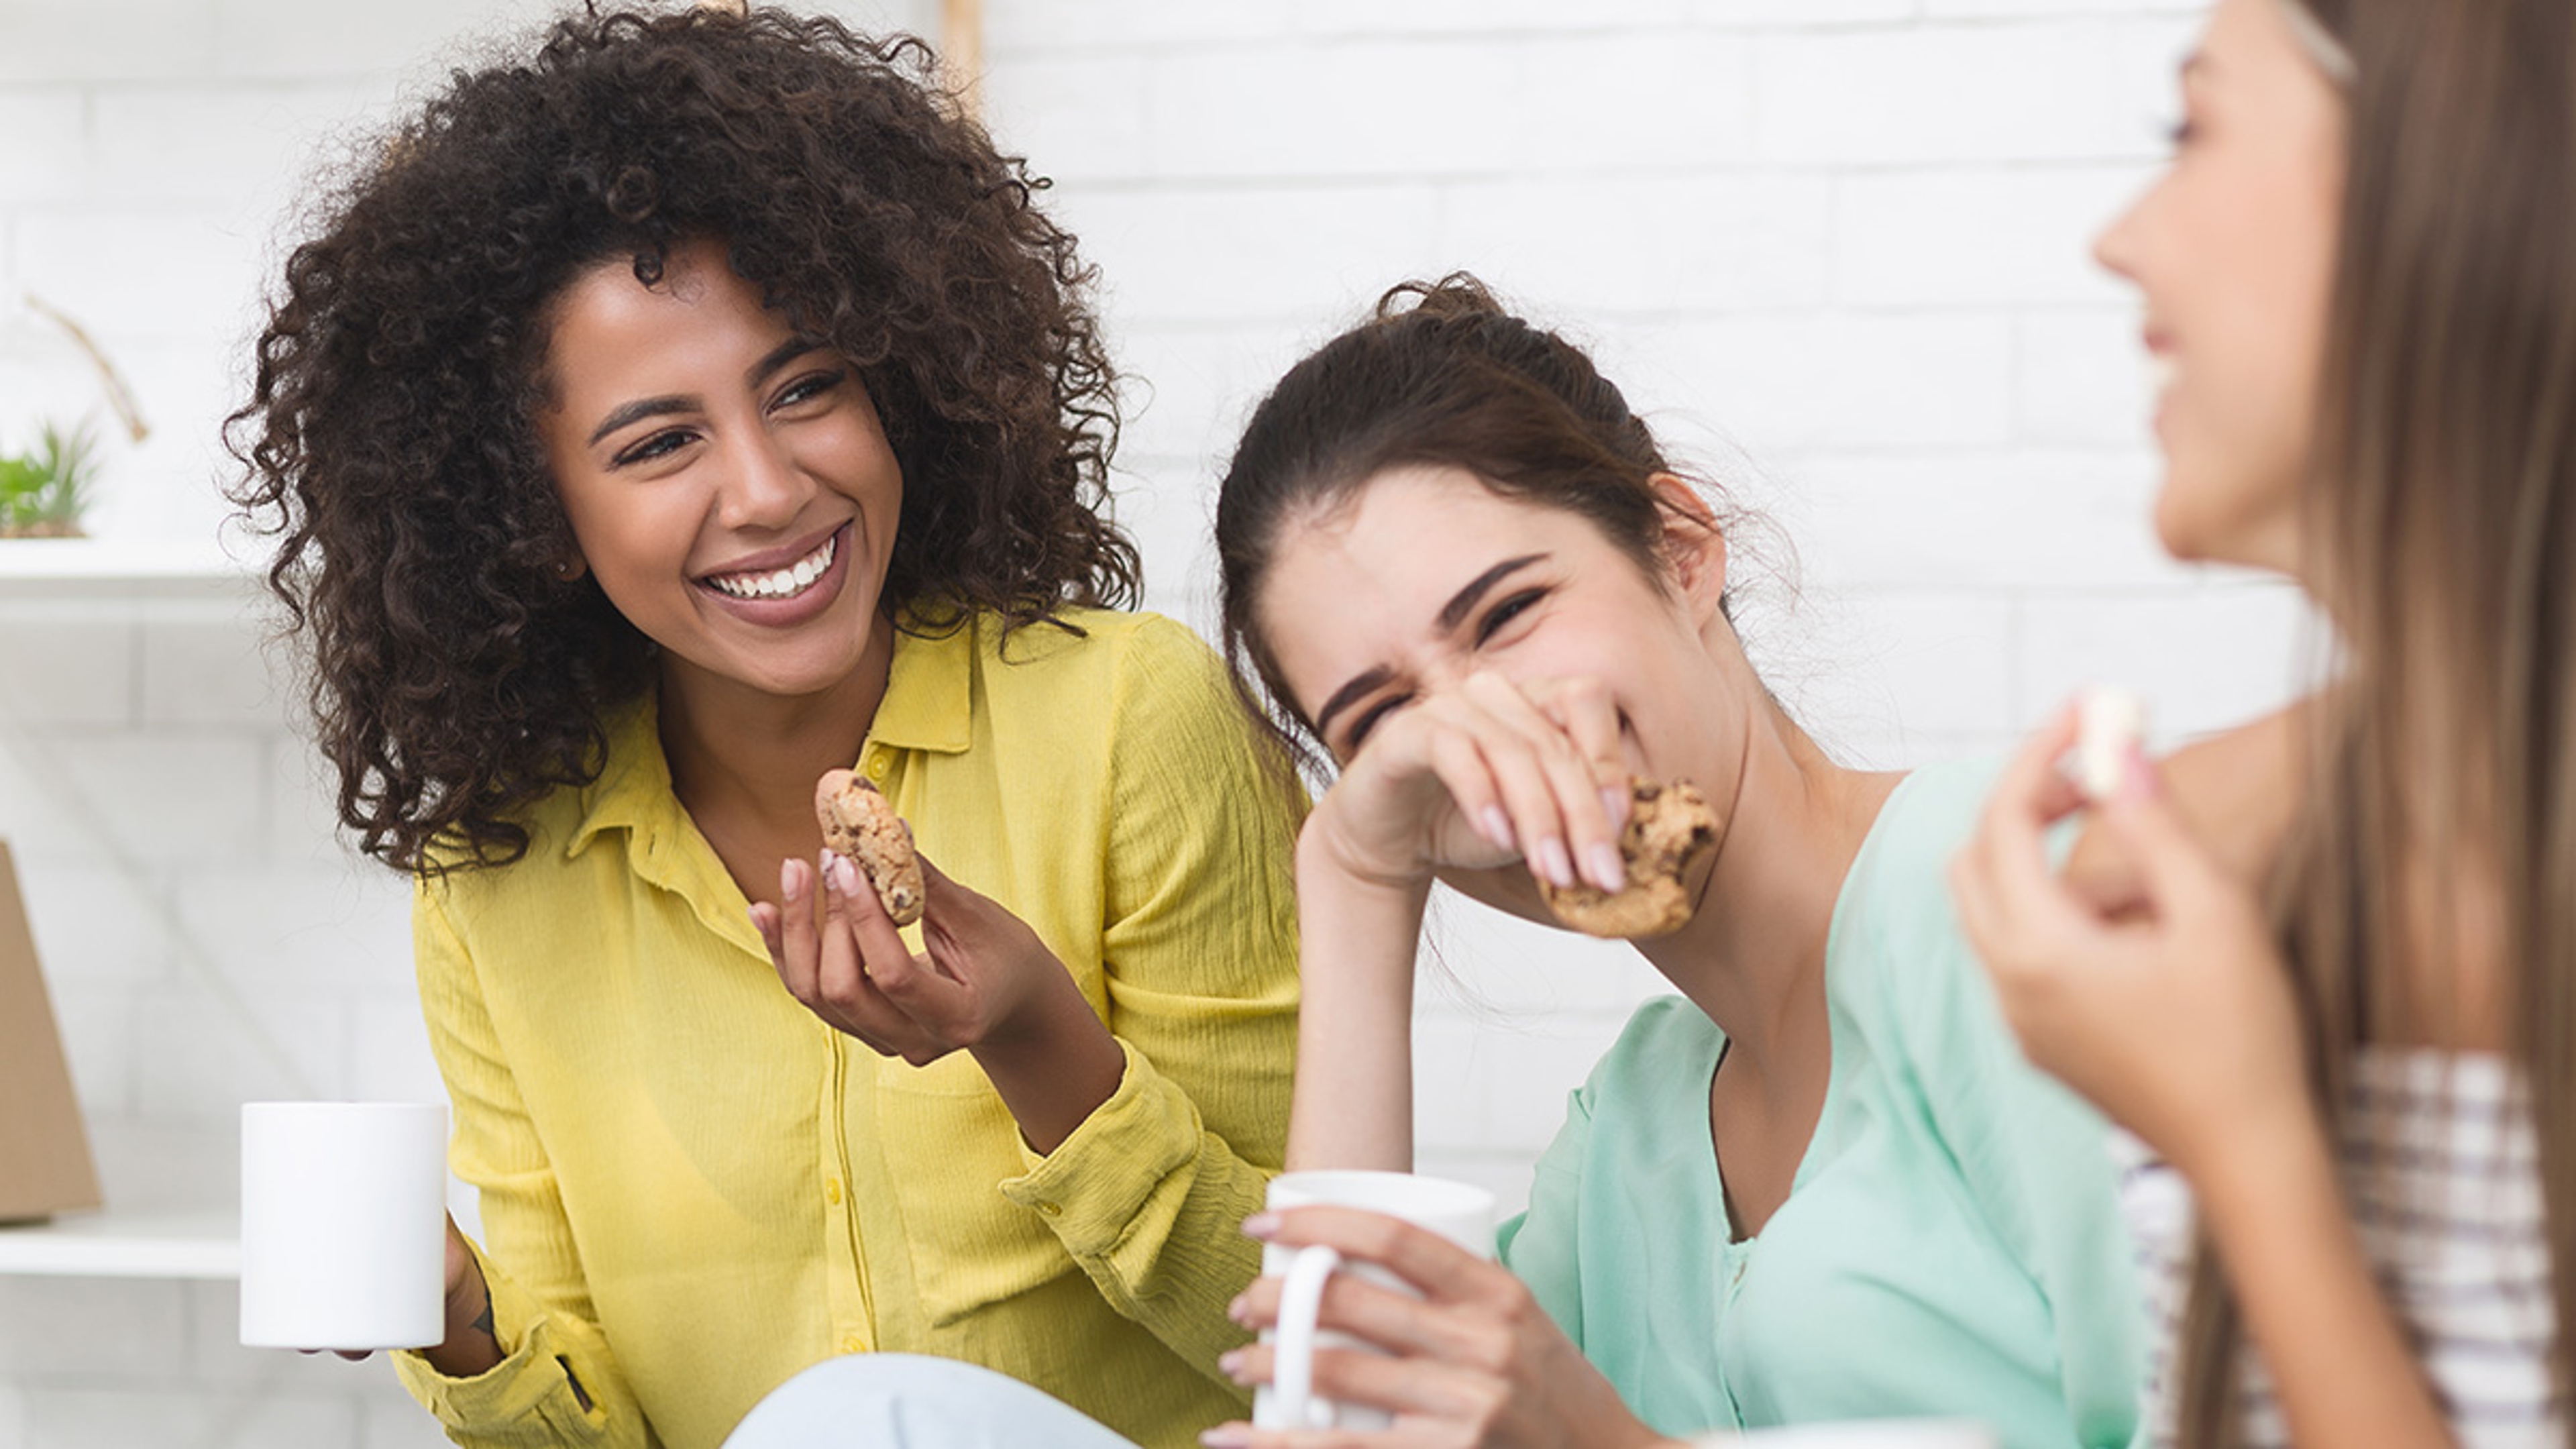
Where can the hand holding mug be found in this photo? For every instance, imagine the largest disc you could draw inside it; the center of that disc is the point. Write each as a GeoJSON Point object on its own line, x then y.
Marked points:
{"type": "Point", "coordinates": [344, 1225]}
{"type": "Point", "coordinates": [1373, 1322]}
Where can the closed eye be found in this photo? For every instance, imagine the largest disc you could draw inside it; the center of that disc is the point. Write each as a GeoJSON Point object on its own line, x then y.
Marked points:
{"type": "Point", "coordinates": [1503, 613]}
{"type": "Point", "coordinates": [1368, 721]}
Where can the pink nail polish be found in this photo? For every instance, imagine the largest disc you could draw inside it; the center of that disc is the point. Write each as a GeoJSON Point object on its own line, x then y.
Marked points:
{"type": "Point", "coordinates": [2138, 776]}
{"type": "Point", "coordinates": [1496, 825]}
{"type": "Point", "coordinates": [1555, 863]}
{"type": "Point", "coordinates": [845, 875]}
{"type": "Point", "coordinates": [1605, 867]}
{"type": "Point", "coordinates": [1261, 1226]}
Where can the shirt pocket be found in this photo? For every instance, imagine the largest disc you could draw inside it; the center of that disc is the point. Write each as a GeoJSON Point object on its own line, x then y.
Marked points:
{"type": "Point", "coordinates": [950, 1144]}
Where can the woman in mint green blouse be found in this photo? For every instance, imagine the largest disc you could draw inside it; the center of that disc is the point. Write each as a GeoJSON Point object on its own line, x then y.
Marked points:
{"type": "Point", "coordinates": [1821, 1183]}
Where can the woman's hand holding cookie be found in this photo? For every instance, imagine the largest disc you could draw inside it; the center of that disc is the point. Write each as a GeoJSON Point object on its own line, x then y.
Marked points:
{"type": "Point", "coordinates": [975, 981]}
{"type": "Point", "coordinates": [984, 983]}
{"type": "Point", "coordinates": [1481, 776]}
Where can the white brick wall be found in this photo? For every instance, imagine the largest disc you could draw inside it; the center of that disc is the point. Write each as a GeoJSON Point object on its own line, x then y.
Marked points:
{"type": "Point", "coordinates": [1836, 247]}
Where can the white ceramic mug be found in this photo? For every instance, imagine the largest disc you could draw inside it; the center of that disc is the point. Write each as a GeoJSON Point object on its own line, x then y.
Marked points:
{"type": "Point", "coordinates": [1461, 1213]}
{"type": "Point", "coordinates": [344, 1224]}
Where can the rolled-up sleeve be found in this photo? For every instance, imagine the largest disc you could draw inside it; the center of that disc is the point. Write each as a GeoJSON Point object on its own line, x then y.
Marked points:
{"type": "Point", "coordinates": [1200, 961]}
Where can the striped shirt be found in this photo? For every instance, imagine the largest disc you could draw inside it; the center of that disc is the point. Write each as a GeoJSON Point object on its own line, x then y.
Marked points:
{"type": "Point", "coordinates": [2443, 1176]}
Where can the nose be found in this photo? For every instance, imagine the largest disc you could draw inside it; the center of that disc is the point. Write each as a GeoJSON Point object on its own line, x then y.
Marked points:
{"type": "Point", "coordinates": [2115, 247]}
{"type": "Point", "coordinates": [763, 487]}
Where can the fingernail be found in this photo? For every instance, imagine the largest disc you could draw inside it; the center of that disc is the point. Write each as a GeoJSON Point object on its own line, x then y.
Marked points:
{"type": "Point", "coordinates": [1229, 1361]}
{"type": "Point", "coordinates": [1261, 1226]}
{"type": "Point", "coordinates": [845, 875]}
{"type": "Point", "coordinates": [1240, 1309]}
{"type": "Point", "coordinates": [2138, 776]}
{"type": "Point", "coordinates": [791, 883]}
{"type": "Point", "coordinates": [1615, 803]}
{"type": "Point", "coordinates": [1554, 863]}
{"type": "Point", "coordinates": [823, 871]}
{"type": "Point", "coordinates": [1227, 1436]}
{"type": "Point", "coordinates": [1496, 825]}
{"type": "Point", "coordinates": [1601, 862]}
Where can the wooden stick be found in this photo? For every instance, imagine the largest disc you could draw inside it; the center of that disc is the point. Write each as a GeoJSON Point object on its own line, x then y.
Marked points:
{"type": "Point", "coordinates": [119, 397]}
{"type": "Point", "coordinates": [961, 49]}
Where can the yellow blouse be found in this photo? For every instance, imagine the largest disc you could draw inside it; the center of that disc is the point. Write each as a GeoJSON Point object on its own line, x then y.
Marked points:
{"type": "Point", "coordinates": [692, 1188]}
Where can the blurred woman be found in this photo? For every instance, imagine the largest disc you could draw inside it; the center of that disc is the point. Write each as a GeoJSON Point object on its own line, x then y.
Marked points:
{"type": "Point", "coordinates": [2360, 279]}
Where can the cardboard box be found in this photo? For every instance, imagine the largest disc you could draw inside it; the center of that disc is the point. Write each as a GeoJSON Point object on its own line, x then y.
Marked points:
{"type": "Point", "coordinates": [45, 1165]}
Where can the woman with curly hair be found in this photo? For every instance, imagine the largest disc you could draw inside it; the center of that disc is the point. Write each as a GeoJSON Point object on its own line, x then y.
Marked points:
{"type": "Point", "coordinates": [652, 424]}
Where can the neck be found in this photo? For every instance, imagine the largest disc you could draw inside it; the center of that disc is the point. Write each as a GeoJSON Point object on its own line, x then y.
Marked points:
{"type": "Point", "coordinates": [739, 752]}
{"type": "Point", "coordinates": [1753, 954]}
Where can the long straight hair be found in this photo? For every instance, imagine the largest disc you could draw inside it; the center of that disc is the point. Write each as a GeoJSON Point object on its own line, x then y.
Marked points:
{"type": "Point", "coordinates": [2441, 509]}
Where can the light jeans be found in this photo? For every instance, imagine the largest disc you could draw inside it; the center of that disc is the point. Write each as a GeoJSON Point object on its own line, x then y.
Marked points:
{"type": "Point", "coordinates": [906, 1401]}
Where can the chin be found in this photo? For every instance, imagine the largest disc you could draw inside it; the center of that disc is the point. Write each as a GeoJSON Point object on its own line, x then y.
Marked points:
{"type": "Point", "coordinates": [2189, 513]}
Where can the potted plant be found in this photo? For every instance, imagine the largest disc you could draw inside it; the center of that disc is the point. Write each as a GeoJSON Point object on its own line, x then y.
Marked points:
{"type": "Point", "coordinates": [44, 489]}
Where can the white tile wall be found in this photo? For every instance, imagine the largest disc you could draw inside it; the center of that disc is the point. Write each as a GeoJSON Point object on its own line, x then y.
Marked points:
{"type": "Point", "coordinates": [1837, 247]}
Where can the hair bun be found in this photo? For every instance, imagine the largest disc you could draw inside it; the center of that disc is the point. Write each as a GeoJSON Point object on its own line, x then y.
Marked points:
{"type": "Point", "coordinates": [1457, 295]}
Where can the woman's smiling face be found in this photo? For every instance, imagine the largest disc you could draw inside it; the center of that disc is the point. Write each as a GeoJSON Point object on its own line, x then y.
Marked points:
{"type": "Point", "coordinates": [727, 480]}
{"type": "Point", "coordinates": [2233, 249]}
{"type": "Point", "coordinates": [1422, 575]}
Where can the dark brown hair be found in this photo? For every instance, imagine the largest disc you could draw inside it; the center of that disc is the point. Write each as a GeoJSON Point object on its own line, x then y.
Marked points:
{"type": "Point", "coordinates": [2441, 509]}
{"type": "Point", "coordinates": [1441, 373]}
{"type": "Point", "coordinates": [389, 436]}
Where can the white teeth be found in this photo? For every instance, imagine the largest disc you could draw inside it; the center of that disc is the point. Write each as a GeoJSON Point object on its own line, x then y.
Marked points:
{"type": "Point", "coordinates": [794, 579]}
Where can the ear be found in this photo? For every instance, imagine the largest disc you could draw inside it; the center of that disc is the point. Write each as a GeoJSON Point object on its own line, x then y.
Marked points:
{"type": "Point", "coordinates": [1694, 545]}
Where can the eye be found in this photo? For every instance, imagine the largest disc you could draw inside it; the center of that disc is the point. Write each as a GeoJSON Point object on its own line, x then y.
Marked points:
{"type": "Point", "coordinates": [1503, 613]}
{"type": "Point", "coordinates": [2183, 129]}
{"type": "Point", "coordinates": [1368, 721]}
{"type": "Point", "coordinates": [659, 445]}
{"type": "Point", "coordinates": [806, 389]}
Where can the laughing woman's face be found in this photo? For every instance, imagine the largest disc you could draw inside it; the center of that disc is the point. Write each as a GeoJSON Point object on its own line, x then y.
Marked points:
{"type": "Point", "coordinates": [2233, 250]}
{"type": "Point", "coordinates": [727, 480]}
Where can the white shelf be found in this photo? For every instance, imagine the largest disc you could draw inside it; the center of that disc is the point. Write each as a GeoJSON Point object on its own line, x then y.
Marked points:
{"type": "Point", "coordinates": [125, 1245]}
{"type": "Point", "coordinates": [93, 568]}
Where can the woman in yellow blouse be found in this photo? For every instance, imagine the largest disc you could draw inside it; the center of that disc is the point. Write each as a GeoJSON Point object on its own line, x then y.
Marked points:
{"type": "Point", "coordinates": [654, 423]}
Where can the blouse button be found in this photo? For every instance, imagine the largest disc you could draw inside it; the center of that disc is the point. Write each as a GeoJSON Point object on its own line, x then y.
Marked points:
{"type": "Point", "coordinates": [1051, 1209]}
{"type": "Point", "coordinates": [876, 767]}
{"type": "Point", "coordinates": [832, 1190]}
{"type": "Point", "coordinates": [851, 1344]}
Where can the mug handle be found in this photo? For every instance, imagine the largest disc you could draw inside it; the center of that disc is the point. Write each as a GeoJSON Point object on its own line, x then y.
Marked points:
{"type": "Point", "coordinates": [1301, 1299]}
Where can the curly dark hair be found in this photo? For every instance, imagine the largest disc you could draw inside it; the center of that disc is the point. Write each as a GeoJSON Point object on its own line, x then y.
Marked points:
{"type": "Point", "coordinates": [390, 438]}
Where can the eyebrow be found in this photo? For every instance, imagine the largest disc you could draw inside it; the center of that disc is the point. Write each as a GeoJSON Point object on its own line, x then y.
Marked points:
{"type": "Point", "coordinates": [1463, 602]}
{"type": "Point", "coordinates": [653, 407]}
{"type": "Point", "coordinates": [1452, 614]}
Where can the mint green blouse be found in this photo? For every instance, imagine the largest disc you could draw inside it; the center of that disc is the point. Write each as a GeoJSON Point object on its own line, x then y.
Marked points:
{"type": "Point", "coordinates": [1951, 1245]}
